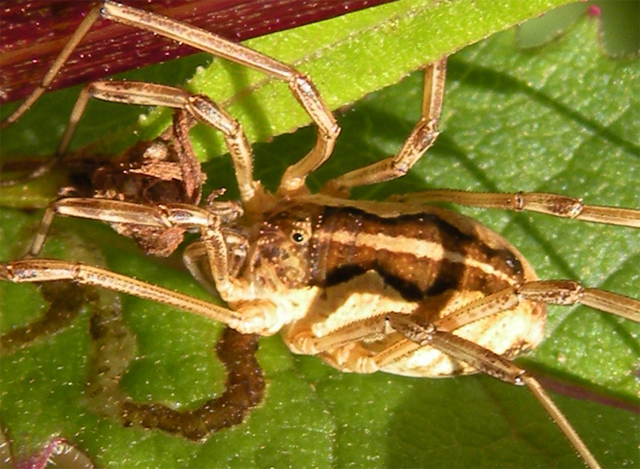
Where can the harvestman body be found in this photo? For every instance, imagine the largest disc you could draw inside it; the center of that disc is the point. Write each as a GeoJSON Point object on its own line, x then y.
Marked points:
{"type": "Point", "coordinates": [395, 286]}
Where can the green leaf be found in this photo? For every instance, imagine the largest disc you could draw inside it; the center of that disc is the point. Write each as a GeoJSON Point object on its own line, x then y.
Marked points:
{"type": "Point", "coordinates": [347, 57]}
{"type": "Point", "coordinates": [563, 119]}
{"type": "Point", "coordinates": [619, 26]}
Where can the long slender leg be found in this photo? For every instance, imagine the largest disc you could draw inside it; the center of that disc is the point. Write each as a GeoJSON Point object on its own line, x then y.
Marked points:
{"type": "Point", "coordinates": [200, 107]}
{"type": "Point", "coordinates": [560, 292]}
{"type": "Point", "coordinates": [301, 86]}
{"type": "Point", "coordinates": [47, 270]}
{"type": "Point", "coordinates": [550, 204]}
{"type": "Point", "coordinates": [421, 138]}
{"type": "Point", "coordinates": [253, 317]}
{"type": "Point", "coordinates": [75, 39]}
{"type": "Point", "coordinates": [424, 333]}
{"type": "Point", "coordinates": [302, 340]}
{"type": "Point", "coordinates": [116, 211]}
{"type": "Point", "coordinates": [418, 332]}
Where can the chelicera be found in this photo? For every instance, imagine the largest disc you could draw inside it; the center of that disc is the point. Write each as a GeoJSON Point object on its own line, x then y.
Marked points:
{"type": "Point", "coordinates": [397, 286]}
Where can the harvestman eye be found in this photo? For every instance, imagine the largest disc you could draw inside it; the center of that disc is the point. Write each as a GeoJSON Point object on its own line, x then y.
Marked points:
{"type": "Point", "coordinates": [373, 272]}
{"type": "Point", "coordinates": [298, 237]}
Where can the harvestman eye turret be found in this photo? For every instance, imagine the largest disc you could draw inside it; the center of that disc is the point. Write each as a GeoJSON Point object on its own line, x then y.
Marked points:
{"type": "Point", "coordinates": [397, 286]}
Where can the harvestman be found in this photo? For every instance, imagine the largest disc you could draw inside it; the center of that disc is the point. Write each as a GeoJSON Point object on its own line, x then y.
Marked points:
{"type": "Point", "coordinates": [329, 272]}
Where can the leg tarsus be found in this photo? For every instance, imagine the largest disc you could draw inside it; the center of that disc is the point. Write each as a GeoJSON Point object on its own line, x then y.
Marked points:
{"type": "Point", "coordinates": [560, 420]}
{"type": "Point", "coordinates": [541, 202]}
{"type": "Point", "coordinates": [77, 36]}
